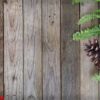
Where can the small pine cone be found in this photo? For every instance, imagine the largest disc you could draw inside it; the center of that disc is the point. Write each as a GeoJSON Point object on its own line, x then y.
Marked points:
{"type": "Point", "coordinates": [93, 51]}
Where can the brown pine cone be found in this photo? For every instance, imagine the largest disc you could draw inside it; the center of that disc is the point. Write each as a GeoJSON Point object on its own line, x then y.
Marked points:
{"type": "Point", "coordinates": [93, 51]}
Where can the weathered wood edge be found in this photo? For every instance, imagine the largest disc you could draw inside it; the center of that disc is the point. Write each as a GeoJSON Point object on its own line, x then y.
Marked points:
{"type": "Point", "coordinates": [1, 47]}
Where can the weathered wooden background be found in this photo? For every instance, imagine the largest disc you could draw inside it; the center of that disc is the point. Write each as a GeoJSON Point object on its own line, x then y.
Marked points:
{"type": "Point", "coordinates": [38, 58]}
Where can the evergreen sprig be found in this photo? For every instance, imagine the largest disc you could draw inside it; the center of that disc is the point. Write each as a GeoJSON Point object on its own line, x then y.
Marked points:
{"type": "Point", "coordinates": [84, 1]}
{"type": "Point", "coordinates": [89, 17]}
{"type": "Point", "coordinates": [87, 33]}
{"type": "Point", "coordinates": [96, 77]}
{"type": "Point", "coordinates": [92, 49]}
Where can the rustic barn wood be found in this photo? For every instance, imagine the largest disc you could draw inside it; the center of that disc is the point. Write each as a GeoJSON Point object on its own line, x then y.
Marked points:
{"type": "Point", "coordinates": [13, 50]}
{"type": "Point", "coordinates": [32, 50]}
{"type": "Point", "coordinates": [69, 51]}
{"type": "Point", "coordinates": [38, 58]}
{"type": "Point", "coordinates": [1, 47]}
{"type": "Point", "coordinates": [51, 49]}
{"type": "Point", "coordinates": [89, 87]}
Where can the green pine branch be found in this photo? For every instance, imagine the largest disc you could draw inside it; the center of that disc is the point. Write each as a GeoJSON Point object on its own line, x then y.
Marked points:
{"type": "Point", "coordinates": [87, 33]}
{"type": "Point", "coordinates": [89, 17]}
{"type": "Point", "coordinates": [96, 77]}
{"type": "Point", "coordinates": [84, 1]}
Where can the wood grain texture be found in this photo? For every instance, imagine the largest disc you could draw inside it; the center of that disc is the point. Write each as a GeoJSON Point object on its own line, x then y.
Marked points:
{"type": "Point", "coordinates": [69, 51]}
{"type": "Point", "coordinates": [99, 42]}
{"type": "Point", "coordinates": [89, 88]}
{"type": "Point", "coordinates": [1, 48]}
{"type": "Point", "coordinates": [13, 50]}
{"type": "Point", "coordinates": [51, 49]}
{"type": "Point", "coordinates": [32, 50]}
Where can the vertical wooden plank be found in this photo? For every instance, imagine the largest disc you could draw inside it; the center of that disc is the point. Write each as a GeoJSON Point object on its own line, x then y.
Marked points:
{"type": "Point", "coordinates": [69, 51]}
{"type": "Point", "coordinates": [89, 88]}
{"type": "Point", "coordinates": [99, 42]}
{"type": "Point", "coordinates": [13, 50]}
{"type": "Point", "coordinates": [1, 47]}
{"type": "Point", "coordinates": [51, 49]}
{"type": "Point", "coordinates": [32, 50]}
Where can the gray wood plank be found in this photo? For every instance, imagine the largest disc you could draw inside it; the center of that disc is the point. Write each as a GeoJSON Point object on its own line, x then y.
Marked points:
{"type": "Point", "coordinates": [89, 87]}
{"type": "Point", "coordinates": [51, 49]}
{"type": "Point", "coordinates": [32, 50]}
{"type": "Point", "coordinates": [99, 42]}
{"type": "Point", "coordinates": [69, 51]}
{"type": "Point", "coordinates": [1, 48]}
{"type": "Point", "coordinates": [13, 50]}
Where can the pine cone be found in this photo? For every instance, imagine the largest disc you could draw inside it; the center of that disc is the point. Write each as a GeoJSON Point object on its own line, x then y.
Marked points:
{"type": "Point", "coordinates": [93, 51]}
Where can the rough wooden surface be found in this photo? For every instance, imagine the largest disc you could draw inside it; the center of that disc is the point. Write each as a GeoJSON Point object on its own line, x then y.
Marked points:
{"type": "Point", "coordinates": [89, 87]}
{"type": "Point", "coordinates": [41, 61]}
{"type": "Point", "coordinates": [51, 49]}
{"type": "Point", "coordinates": [69, 51]}
{"type": "Point", "coordinates": [1, 47]}
{"type": "Point", "coordinates": [13, 50]}
{"type": "Point", "coordinates": [32, 50]}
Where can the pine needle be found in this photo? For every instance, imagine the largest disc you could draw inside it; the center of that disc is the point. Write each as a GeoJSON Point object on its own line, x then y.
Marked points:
{"type": "Point", "coordinates": [96, 77]}
{"type": "Point", "coordinates": [87, 33]}
{"type": "Point", "coordinates": [89, 17]}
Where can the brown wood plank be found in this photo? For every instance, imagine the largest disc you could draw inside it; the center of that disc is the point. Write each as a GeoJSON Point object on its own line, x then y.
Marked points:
{"type": "Point", "coordinates": [99, 42]}
{"type": "Point", "coordinates": [51, 49]}
{"type": "Point", "coordinates": [69, 51]}
{"type": "Point", "coordinates": [13, 50]}
{"type": "Point", "coordinates": [32, 50]}
{"type": "Point", "coordinates": [1, 48]}
{"type": "Point", "coordinates": [89, 87]}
